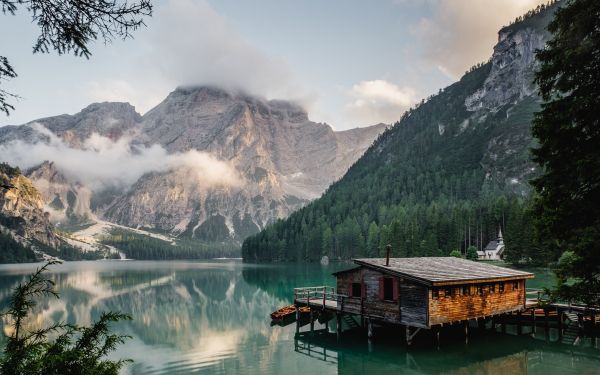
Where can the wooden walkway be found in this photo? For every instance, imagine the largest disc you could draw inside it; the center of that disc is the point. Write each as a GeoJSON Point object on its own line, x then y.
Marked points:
{"type": "Point", "coordinates": [318, 304]}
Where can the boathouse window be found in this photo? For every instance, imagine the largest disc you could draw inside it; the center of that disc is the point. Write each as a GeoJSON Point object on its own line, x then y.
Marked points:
{"type": "Point", "coordinates": [435, 293]}
{"type": "Point", "coordinates": [465, 290]}
{"type": "Point", "coordinates": [479, 290]}
{"type": "Point", "coordinates": [501, 287]}
{"type": "Point", "coordinates": [356, 290]}
{"type": "Point", "coordinates": [388, 289]}
{"type": "Point", "coordinates": [492, 288]}
{"type": "Point", "coordinates": [515, 285]}
{"type": "Point", "coordinates": [448, 292]}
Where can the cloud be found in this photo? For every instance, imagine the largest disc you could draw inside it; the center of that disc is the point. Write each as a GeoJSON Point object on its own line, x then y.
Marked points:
{"type": "Point", "coordinates": [191, 44]}
{"type": "Point", "coordinates": [101, 163]}
{"type": "Point", "coordinates": [188, 43]}
{"type": "Point", "coordinates": [378, 101]}
{"type": "Point", "coordinates": [460, 34]}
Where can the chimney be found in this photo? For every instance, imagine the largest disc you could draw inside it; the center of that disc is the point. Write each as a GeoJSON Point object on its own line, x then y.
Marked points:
{"type": "Point", "coordinates": [388, 249]}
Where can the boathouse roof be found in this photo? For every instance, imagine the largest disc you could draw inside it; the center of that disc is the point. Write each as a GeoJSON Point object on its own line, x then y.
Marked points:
{"type": "Point", "coordinates": [442, 270]}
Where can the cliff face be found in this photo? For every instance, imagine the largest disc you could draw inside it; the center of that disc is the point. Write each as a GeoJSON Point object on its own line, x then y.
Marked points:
{"type": "Point", "coordinates": [66, 201]}
{"type": "Point", "coordinates": [21, 208]}
{"type": "Point", "coordinates": [513, 65]}
{"type": "Point", "coordinates": [281, 161]}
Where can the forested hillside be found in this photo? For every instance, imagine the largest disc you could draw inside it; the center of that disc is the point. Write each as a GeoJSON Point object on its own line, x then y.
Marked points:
{"type": "Point", "coordinates": [446, 176]}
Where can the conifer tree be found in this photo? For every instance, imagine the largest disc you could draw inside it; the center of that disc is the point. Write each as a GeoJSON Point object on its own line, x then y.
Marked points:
{"type": "Point", "coordinates": [567, 206]}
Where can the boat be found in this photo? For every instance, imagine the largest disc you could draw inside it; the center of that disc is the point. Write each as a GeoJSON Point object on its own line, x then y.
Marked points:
{"type": "Point", "coordinates": [288, 312]}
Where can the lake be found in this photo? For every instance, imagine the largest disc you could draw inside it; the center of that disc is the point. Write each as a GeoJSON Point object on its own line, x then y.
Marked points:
{"type": "Point", "coordinates": [213, 318]}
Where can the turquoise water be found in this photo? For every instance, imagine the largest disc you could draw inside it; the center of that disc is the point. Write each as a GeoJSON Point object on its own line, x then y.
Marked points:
{"type": "Point", "coordinates": [213, 318]}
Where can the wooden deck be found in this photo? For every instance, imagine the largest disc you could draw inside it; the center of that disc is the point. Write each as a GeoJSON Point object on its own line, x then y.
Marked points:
{"type": "Point", "coordinates": [318, 304]}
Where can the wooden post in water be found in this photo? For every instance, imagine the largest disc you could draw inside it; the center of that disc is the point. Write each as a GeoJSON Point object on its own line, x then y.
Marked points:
{"type": "Point", "coordinates": [369, 329]}
{"type": "Point", "coordinates": [312, 322]}
{"type": "Point", "coordinates": [297, 319]}
{"type": "Point", "coordinates": [546, 323]}
{"type": "Point", "coordinates": [533, 327]}
{"type": "Point", "coordinates": [594, 333]}
{"type": "Point", "coordinates": [437, 336]}
{"type": "Point", "coordinates": [559, 316]}
{"type": "Point", "coordinates": [466, 324]}
{"type": "Point", "coordinates": [338, 317]}
{"type": "Point", "coordinates": [519, 323]}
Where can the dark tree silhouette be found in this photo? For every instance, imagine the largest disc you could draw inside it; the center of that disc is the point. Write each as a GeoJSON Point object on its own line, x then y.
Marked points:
{"type": "Point", "coordinates": [568, 129]}
{"type": "Point", "coordinates": [69, 26]}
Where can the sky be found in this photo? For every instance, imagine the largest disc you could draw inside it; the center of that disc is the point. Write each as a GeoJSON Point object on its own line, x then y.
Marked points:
{"type": "Point", "coordinates": [349, 63]}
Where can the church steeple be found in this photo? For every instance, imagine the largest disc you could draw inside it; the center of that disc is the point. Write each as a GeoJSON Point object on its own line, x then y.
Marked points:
{"type": "Point", "coordinates": [500, 239]}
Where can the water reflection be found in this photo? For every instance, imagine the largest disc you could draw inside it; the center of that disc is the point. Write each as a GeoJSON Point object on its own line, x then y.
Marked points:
{"type": "Point", "coordinates": [492, 354]}
{"type": "Point", "coordinates": [212, 318]}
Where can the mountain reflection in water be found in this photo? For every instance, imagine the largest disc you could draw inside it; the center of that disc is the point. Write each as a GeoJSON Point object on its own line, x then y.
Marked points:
{"type": "Point", "coordinates": [213, 318]}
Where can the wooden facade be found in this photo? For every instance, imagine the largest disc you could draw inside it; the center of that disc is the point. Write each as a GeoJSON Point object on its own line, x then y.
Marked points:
{"type": "Point", "coordinates": [425, 292]}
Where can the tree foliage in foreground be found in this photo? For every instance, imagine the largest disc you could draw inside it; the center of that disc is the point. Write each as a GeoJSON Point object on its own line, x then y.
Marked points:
{"type": "Point", "coordinates": [69, 26]}
{"type": "Point", "coordinates": [567, 207]}
{"type": "Point", "coordinates": [74, 349]}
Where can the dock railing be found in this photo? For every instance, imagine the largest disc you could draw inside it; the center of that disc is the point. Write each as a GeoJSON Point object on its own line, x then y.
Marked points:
{"type": "Point", "coordinates": [536, 294]}
{"type": "Point", "coordinates": [317, 295]}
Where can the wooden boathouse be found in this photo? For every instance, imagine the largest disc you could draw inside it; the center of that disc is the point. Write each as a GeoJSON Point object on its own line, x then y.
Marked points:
{"type": "Point", "coordinates": [419, 293]}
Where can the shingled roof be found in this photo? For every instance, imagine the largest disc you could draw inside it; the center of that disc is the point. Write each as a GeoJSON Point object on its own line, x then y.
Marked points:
{"type": "Point", "coordinates": [443, 270]}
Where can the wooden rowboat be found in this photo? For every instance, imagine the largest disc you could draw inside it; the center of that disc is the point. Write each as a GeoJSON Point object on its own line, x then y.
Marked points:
{"type": "Point", "coordinates": [288, 312]}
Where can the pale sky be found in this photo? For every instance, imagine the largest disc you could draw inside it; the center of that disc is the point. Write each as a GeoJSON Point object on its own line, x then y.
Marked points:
{"type": "Point", "coordinates": [349, 63]}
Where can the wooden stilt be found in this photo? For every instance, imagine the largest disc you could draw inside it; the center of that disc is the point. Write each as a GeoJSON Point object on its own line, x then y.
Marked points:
{"type": "Point", "coordinates": [437, 337]}
{"type": "Point", "coordinates": [466, 324]}
{"type": "Point", "coordinates": [547, 321]}
{"type": "Point", "coordinates": [312, 322]}
{"type": "Point", "coordinates": [519, 323]}
{"type": "Point", "coordinates": [369, 329]}
{"type": "Point", "coordinates": [339, 323]}
{"type": "Point", "coordinates": [594, 333]}
{"type": "Point", "coordinates": [533, 327]}
{"type": "Point", "coordinates": [559, 316]}
{"type": "Point", "coordinates": [410, 335]}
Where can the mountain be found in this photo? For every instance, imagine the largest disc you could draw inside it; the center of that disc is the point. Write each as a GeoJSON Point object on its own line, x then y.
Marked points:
{"type": "Point", "coordinates": [446, 176]}
{"type": "Point", "coordinates": [23, 223]}
{"type": "Point", "coordinates": [232, 163]}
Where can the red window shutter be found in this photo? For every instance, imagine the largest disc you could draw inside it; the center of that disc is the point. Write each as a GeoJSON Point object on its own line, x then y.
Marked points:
{"type": "Point", "coordinates": [396, 289]}
{"type": "Point", "coordinates": [381, 289]}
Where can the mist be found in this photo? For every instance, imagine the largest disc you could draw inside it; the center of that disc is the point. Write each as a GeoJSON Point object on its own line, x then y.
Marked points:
{"type": "Point", "coordinates": [103, 163]}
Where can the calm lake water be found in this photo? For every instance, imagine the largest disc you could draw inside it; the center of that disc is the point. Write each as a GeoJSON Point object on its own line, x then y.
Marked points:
{"type": "Point", "coordinates": [213, 318]}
